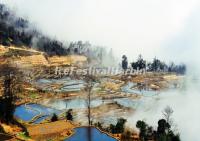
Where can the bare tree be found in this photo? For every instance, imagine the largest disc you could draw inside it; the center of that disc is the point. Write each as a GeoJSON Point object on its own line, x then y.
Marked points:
{"type": "Point", "coordinates": [11, 87]}
{"type": "Point", "coordinates": [90, 81]}
{"type": "Point", "coordinates": [167, 113]}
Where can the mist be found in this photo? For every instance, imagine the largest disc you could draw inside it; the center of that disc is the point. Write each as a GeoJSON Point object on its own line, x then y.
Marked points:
{"type": "Point", "coordinates": [167, 29]}
{"type": "Point", "coordinates": [185, 104]}
{"type": "Point", "coordinates": [129, 27]}
{"type": "Point", "coordinates": [184, 101]}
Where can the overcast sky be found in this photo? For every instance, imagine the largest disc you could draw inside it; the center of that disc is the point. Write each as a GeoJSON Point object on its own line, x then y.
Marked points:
{"type": "Point", "coordinates": [150, 27]}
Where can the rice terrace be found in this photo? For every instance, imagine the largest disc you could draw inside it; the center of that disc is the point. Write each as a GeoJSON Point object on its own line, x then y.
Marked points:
{"type": "Point", "coordinates": [99, 71]}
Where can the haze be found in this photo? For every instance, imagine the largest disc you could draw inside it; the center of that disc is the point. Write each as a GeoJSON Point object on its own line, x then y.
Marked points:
{"type": "Point", "coordinates": [167, 29]}
{"type": "Point", "coordinates": [129, 27]}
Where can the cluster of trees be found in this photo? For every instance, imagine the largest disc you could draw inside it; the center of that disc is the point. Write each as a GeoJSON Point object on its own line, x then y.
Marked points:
{"type": "Point", "coordinates": [164, 130]}
{"type": "Point", "coordinates": [119, 127]}
{"type": "Point", "coordinates": [156, 65]}
{"type": "Point", "coordinates": [19, 32]}
{"type": "Point", "coordinates": [69, 116]}
{"type": "Point", "coordinates": [139, 64]}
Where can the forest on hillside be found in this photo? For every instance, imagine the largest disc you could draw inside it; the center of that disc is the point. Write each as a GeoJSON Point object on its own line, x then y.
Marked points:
{"type": "Point", "coordinates": [19, 32]}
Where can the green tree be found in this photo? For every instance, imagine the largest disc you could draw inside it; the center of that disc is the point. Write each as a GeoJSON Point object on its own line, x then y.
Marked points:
{"type": "Point", "coordinates": [142, 126]}
{"type": "Point", "coordinates": [120, 125]}
{"type": "Point", "coordinates": [112, 128]}
{"type": "Point", "coordinates": [54, 118]}
{"type": "Point", "coordinates": [140, 64]}
{"type": "Point", "coordinates": [124, 63]}
{"type": "Point", "coordinates": [99, 125]}
{"type": "Point", "coordinates": [69, 115]}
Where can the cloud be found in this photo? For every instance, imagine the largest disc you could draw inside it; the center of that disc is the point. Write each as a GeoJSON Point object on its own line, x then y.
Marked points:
{"type": "Point", "coordinates": [183, 46]}
{"type": "Point", "coordinates": [128, 26]}
{"type": "Point", "coordinates": [185, 104]}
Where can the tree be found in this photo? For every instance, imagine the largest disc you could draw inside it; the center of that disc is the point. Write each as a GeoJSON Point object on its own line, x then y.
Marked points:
{"type": "Point", "coordinates": [171, 67]}
{"type": "Point", "coordinates": [119, 127]}
{"type": "Point", "coordinates": [167, 113]}
{"type": "Point", "coordinates": [181, 69]}
{"type": "Point", "coordinates": [157, 65]}
{"type": "Point", "coordinates": [14, 31]}
{"type": "Point", "coordinates": [98, 124]}
{"type": "Point", "coordinates": [124, 63]}
{"type": "Point", "coordinates": [54, 118]}
{"type": "Point", "coordinates": [175, 137]}
{"type": "Point", "coordinates": [90, 81]}
{"type": "Point", "coordinates": [69, 115]}
{"type": "Point", "coordinates": [163, 133]}
{"type": "Point", "coordinates": [112, 128]}
{"type": "Point", "coordinates": [162, 126]}
{"type": "Point", "coordinates": [140, 64]}
{"type": "Point", "coordinates": [11, 86]}
{"type": "Point", "coordinates": [142, 126]}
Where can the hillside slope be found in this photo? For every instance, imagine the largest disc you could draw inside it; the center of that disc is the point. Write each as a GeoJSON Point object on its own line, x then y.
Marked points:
{"type": "Point", "coordinates": [24, 57]}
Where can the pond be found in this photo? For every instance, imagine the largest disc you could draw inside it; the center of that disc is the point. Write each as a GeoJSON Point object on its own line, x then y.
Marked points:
{"type": "Point", "coordinates": [129, 103]}
{"type": "Point", "coordinates": [34, 112]}
{"type": "Point", "coordinates": [24, 113]}
{"type": "Point", "coordinates": [77, 103]}
{"type": "Point", "coordinates": [60, 85]}
{"type": "Point", "coordinates": [89, 134]}
{"type": "Point", "coordinates": [128, 88]}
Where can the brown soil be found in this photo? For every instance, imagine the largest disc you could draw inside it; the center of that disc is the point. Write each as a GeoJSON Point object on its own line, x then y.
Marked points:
{"type": "Point", "coordinates": [50, 130]}
{"type": "Point", "coordinates": [110, 109]}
